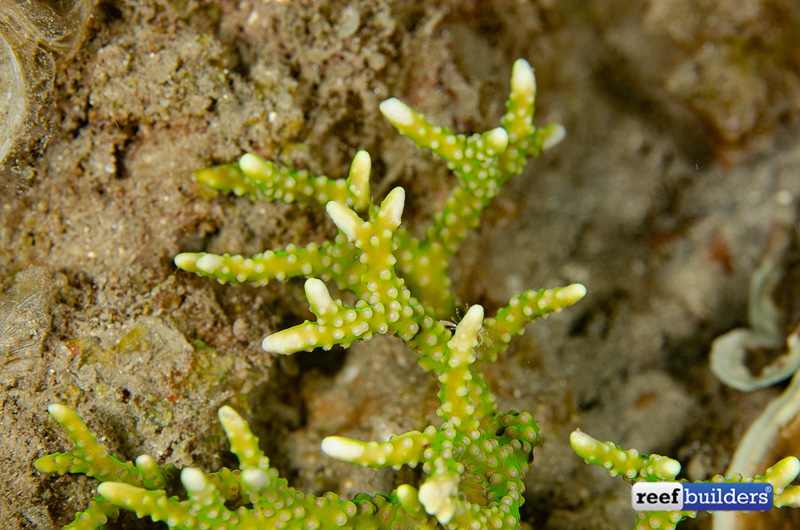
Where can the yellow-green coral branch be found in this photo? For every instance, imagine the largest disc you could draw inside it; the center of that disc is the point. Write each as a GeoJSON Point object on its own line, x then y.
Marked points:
{"type": "Point", "coordinates": [90, 458]}
{"type": "Point", "coordinates": [629, 464]}
{"type": "Point", "coordinates": [656, 468]}
{"type": "Point", "coordinates": [459, 392]}
{"type": "Point", "coordinates": [328, 260]}
{"type": "Point", "coordinates": [386, 306]}
{"type": "Point", "coordinates": [404, 449]}
{"type": "Point", "coordinates": [261, 178]}
{"type": "Point", "coordinates": [523, 309]}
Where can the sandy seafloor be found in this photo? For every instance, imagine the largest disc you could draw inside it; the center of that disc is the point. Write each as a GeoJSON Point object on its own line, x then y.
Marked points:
{"type": "Point", "coordinates": [679, 173]}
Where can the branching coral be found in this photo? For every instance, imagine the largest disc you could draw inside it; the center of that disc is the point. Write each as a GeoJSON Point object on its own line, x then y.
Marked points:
{"type": "Point", "coordinates": [634, 467]}
{"type": "Point", "coordinates": [475, 461]}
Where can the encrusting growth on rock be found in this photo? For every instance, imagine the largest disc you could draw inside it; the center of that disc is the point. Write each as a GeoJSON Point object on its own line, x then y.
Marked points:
{"type": "Point", "coordinates": [475, 460]}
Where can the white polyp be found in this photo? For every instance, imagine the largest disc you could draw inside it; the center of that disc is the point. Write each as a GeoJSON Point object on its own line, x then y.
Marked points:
{"type": "Point", "coordinates": [255, 479]}
{"type": "Point", "coordinates": [284, 342]}
{"type": "Point", "coordinates": [397, 112]}
{"type": "Point", "coordinates": [193, 479]}
{"type": "Point", "coordinates": [554, 135]}
{"type": "Point", "coordinates": [522, 78]}
{"type": "Point", "coordinates": [436, 495]}
{"type": "Point", "coordinates": [497, 139]}
{"type": "Point", "coordinates": [318, 297]}
{"type": "Point", "coordinates": [344, 218]}
{"type": "Point", "coordinates": [392, 207]}
{"type": "Point", "coordinates": [209, 263]}
{"type": "Point", "coordinates": [343, 449]}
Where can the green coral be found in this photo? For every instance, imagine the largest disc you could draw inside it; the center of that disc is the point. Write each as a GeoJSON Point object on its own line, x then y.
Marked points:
{"type": "Point", "coordinates": [634, 467]}
{"type": "Point", "coordinates": [482, 163]}
{"type": "Point", "coordinates": [93, 460]}
{"type": "Point", "coordinates": [475, 461]}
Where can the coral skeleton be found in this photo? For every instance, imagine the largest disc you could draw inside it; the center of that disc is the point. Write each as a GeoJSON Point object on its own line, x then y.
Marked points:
{"type": "Point", "coordinates": [474, 461]}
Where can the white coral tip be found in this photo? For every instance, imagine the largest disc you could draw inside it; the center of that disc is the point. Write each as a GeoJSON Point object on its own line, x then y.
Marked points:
{"type": "Point", "coordinates": [361, 165]}
{"type": "Point", "coordinates": [229, 418]}
{"type": "Point", "coordinates": [145, 462]}
{"type": "Point", "coordinates": [436, 495]}
{"type": "Point", "coordinates": [667, 468]}
{"type": "Point", "coordinates": [472, 321]}
{"type": "Point", "coordinates": [582, 443]}
{"type": "Point", "coordinates": [786, 469]}
{"type": "Point", "coordinates": [408, 497]}
{"type": "Point", "coordinates": [250, 164]}
{"type": "Point", "coordinates": [118, 492]}
{"type": "Point", "coordinates": [553, 136]}
{"type": "Point", "coordinates": [392, 207]}
{"type": "Point", "coordinates": [193, 479]}
{"type": "Point", "coordinates": [344, 218]}
{"type": "Point", "coordinates": [497, 139]}
{"type": "Point", "coordinates": [358, 180]}
{"type": "Point", "coordinates": [572, 292]}
{"type": "Point", "coordinates": [397, 112]}
{"type": "Point", "coordinates": [284, 342]}
{"type": "Point", "coordinates": [522, 78]}
{"type": "Point", "coordinates": [186, 260]}
{"type": "Point", "coordinates": [343, 449]}
{"type": "Point", "coordinates": [318, 297]}
{"type": "Point", "coordinates": [59, 412]}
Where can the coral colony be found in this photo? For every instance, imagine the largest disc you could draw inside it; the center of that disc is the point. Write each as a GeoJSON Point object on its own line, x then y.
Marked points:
{"type": "Point", "coordinates": [475, 460]}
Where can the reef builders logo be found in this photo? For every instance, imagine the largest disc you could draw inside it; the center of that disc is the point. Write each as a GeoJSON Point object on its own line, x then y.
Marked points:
{"type": "Point", "coordinates": [689, 496]}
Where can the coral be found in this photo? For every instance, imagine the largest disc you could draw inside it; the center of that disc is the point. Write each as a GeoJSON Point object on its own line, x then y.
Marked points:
{"type": "Point", "coordinates": [475, 461]}
{"type": "Point", "coordinates": [93, 460]}
{"type": "Point", "coordinates": [634, 467]}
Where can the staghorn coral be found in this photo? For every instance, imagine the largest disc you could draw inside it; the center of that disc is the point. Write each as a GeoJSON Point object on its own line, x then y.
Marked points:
{"type": "Point", "coordinates": [473, 463]}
